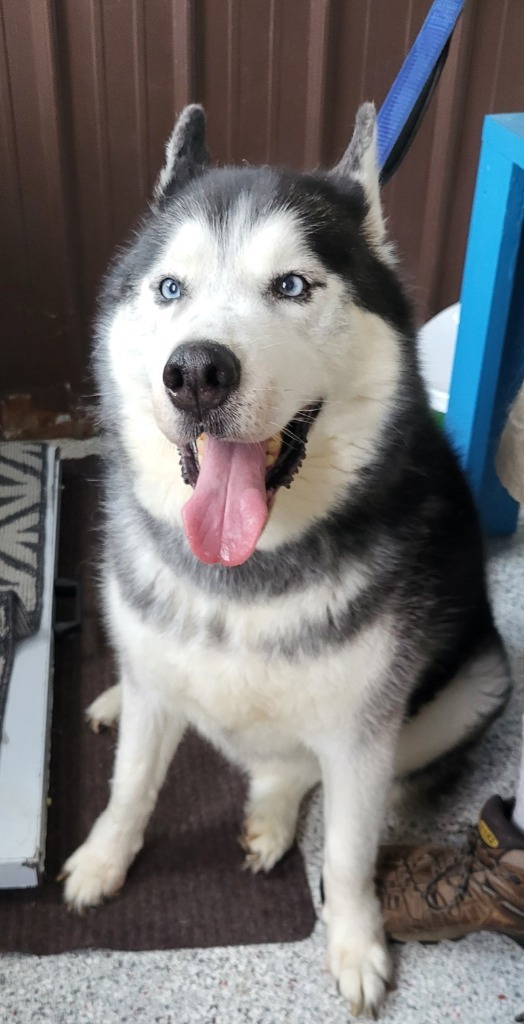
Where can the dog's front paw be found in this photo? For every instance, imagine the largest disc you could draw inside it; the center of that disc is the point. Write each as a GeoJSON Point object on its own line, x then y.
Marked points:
{"type": "Point", "coordinates": [90, 878]}
{"type": "Point", "coordinates": [362, 969]}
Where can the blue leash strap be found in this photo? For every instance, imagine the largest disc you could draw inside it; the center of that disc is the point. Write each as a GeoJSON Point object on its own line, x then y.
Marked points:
{"type": "Point", "coordinates": [413, 76]}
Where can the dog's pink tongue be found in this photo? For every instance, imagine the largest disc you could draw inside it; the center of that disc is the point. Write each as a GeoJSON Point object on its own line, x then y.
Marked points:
{"type": "Point", "coordinates": [228, 509]}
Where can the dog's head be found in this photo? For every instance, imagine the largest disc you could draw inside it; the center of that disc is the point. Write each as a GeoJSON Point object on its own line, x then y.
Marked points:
{"type": "Point", "coordinates": [243, 323]}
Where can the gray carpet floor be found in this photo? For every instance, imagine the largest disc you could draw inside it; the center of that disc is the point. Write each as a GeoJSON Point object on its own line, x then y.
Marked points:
{"type": "Point", "coordinates": [477, 981]}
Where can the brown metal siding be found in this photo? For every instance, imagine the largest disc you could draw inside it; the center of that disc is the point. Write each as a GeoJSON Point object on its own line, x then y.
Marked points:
{"type": "Point", "coordinates": [493, 81]}
{"type": "Point", "coordinates": [38, 314]}
{"type": "Point", "coordinates": [88, 94]}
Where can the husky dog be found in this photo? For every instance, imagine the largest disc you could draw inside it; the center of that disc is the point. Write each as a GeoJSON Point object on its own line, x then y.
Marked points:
{"type": "Point", "coordinates": [293, 562]}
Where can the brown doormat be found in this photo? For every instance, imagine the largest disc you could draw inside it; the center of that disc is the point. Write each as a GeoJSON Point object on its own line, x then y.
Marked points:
{"type": "Point", "coordinates": [186, 888]}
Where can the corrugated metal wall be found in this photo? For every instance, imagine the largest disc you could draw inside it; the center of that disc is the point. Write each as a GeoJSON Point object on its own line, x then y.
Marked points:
{"type": "Point", "coordinates": [88, 95]}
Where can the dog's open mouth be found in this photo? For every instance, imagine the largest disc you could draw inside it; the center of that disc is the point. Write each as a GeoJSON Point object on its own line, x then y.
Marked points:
{"type": "Point", "coordinates": [235, 483]}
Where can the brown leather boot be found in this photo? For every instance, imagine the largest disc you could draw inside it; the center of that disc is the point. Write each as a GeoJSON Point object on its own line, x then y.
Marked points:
{"type": "Point", "coordinates": [430, 893]}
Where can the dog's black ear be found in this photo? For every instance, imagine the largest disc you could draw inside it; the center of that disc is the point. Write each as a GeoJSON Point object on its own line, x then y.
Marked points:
{"type": "Point", "coordinates": [186, 152]}
{"type": "Point", "coordinates": [360, 163]}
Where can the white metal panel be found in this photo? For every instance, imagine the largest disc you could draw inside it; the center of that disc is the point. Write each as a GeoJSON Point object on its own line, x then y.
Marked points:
{"type": "Point", "coordinates": [24, 750]}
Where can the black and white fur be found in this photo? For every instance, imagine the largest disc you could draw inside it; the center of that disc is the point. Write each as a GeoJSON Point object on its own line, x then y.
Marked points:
{"type": "Point", "coordinates": [357, 642]}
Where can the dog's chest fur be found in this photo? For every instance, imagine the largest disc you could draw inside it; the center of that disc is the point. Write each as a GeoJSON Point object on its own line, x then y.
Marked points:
{"type": "Point", "coordinates": [249, 666]}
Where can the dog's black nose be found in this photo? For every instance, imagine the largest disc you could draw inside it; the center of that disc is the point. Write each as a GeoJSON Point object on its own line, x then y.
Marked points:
{"type": "Point", "coordinates": [200, 376]}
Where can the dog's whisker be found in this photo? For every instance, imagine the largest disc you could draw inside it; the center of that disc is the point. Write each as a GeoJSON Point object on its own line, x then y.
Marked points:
{"type": "Point", "coordinates": [286, 432]}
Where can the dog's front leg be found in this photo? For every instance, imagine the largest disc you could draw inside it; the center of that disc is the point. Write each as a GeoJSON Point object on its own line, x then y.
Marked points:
{"type": "Point", "coordinates": [148, 737]}
{"type": "Point", "coordinates": [356, 777]}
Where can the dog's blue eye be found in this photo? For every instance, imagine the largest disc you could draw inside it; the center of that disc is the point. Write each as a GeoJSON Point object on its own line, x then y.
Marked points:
{"type": "Point", "coordinates": [169, 288]}
{"type": "Point", "coordinates": [291, 286]}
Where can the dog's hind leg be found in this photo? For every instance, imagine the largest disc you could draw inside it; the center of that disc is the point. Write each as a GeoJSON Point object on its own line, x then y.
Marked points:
{"type": "Point", "coordinates": [458, 714]}
{"type": "Point", "coordinates": [277, 787]}
{"type": "Point", "coordinates": [148, 738]}
{"type": "Point", "coordinates": [104, 712]}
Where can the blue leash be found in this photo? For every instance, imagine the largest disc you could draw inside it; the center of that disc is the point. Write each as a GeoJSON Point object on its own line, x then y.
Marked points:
{"type": "Point", "coordinates": [408, 97]}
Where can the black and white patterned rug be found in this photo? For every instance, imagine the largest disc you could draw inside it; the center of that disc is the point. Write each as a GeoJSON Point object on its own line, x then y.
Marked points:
{"type": "Point", "coordinates": [23, 479]}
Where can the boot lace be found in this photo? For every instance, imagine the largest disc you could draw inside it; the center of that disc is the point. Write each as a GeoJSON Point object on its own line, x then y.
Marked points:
{"type": "Point", "coordinates": [474, 859]}
{"type": "Point", "coordinates": [463, 864]}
